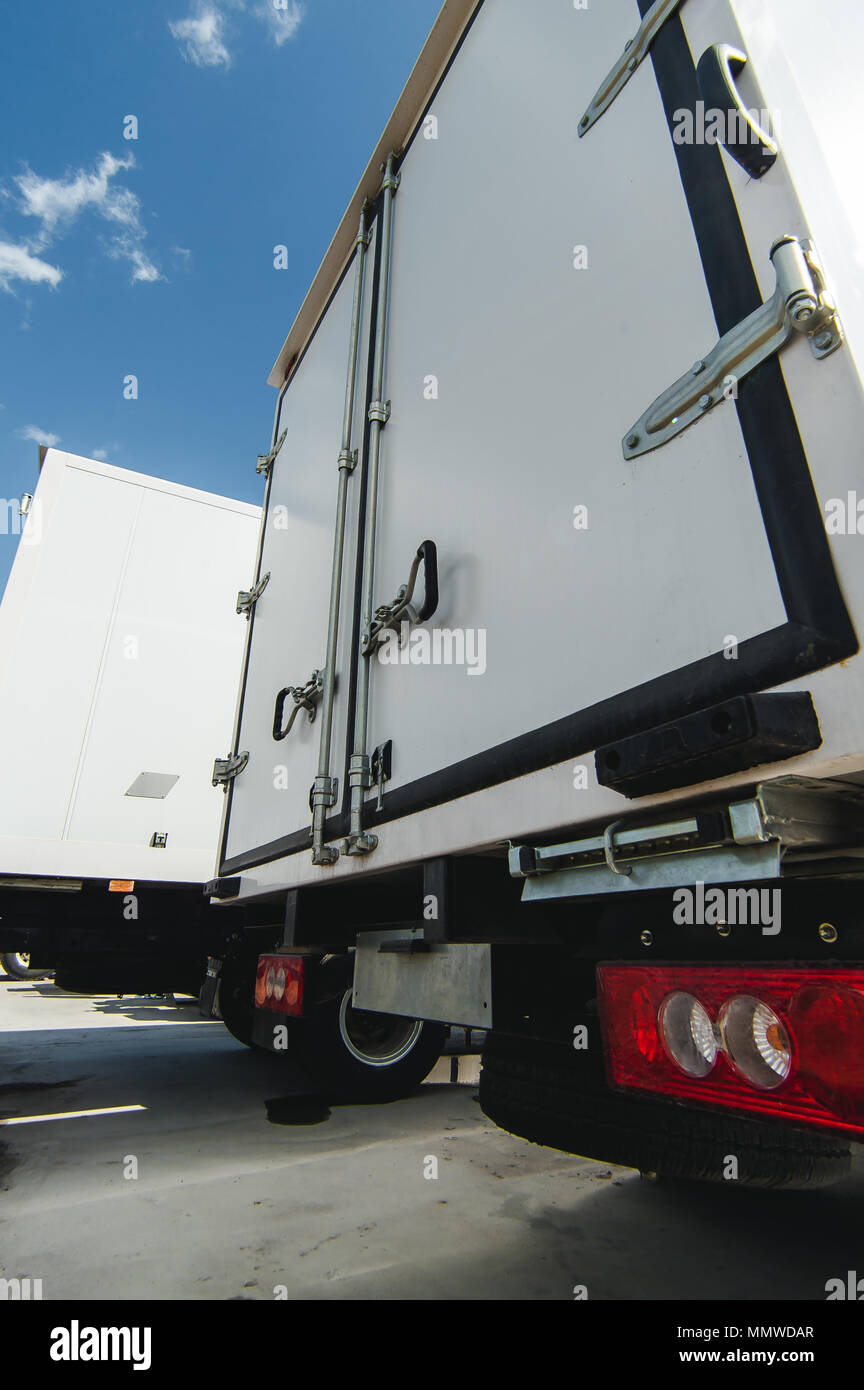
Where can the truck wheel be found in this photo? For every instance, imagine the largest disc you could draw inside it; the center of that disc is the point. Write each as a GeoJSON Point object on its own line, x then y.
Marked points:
{"type": "Point", "coordinates": [358, 1056]}
{"type": "Point", "coordinates": [17, 964]}
{"type": "Point", "coordinates": [528, 1089]}
{"type": "Point", "coordinates": [236, 996]}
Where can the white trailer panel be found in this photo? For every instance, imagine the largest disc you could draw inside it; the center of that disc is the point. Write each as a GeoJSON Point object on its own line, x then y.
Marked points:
{"type": "Point", "coordinates": [121, 650]}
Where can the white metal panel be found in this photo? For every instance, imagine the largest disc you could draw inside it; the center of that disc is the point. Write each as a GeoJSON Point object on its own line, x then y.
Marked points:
{"type": "Point", "coordinates": [542, 367]}
{"type": "Point", "coordinates": [121, 655]}
{"type": "Point", "coordinates": [270, 799]}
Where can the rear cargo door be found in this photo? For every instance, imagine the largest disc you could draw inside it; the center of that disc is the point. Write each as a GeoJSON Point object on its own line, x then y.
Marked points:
{"type": "Point", "coordinates": [269, 811]}
{"type": "Point", "coordinates": [546, 288]}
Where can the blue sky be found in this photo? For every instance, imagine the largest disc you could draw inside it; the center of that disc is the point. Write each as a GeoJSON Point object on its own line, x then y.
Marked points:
{"type": "Point", "coordinates": [154, 256]}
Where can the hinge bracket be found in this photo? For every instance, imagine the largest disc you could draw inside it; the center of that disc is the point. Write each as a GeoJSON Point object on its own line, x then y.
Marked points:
{"type": "Point", "coordinates": [379, 411]}
{"type": "Point", "coordinates": [247, 599]}
{"type": "Point", "coordinates": [226, 769]}
{"type": "Point", "coordinates": [800, 305]}
{"type": "Point", "coordinates": [266, 461]}
{"type": "Point", "coordinates": [635, 50]}
{"type": "Point", "coordinates": [348, 460]}
{"type": "Point", "coordinates": [325, 792]}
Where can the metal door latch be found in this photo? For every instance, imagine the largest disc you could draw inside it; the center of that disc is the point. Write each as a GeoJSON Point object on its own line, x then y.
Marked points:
{"type": "Point", "coordinates": [247, 599]}
{"type": "Point", "coordinates": [799, 305]}
{"type": "Point", "coordinates": [390, 615]}
{"type": "Point", "coordinates": [266, 461]}
{"type": "Point", "coordinates": [635, 50]}
{"type": "Point", "coordinates": [304, 697]}
{"type": "Point", "coordinates": [226, 769]}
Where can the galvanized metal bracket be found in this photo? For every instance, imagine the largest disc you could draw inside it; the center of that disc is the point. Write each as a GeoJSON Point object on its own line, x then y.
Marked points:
{"type": "Point", "coordinates": [325, 792]}
{"type": "Point", "coordinates": [800, 306]}
{"type": "Point", "coordinates": [635, 50]}
{"type": "Point", "coordinates": [380, 411]}
{"type": "Point", "coordinates": [226, 769]}
{"type": "Point", "coordinates": [266, 461]}
{"type": "Point", "coordinates": [304, 697]}
{"type": "Point", "coordinates": [247, 599]}
{"type": "Point", "coordinates": [348, 460]}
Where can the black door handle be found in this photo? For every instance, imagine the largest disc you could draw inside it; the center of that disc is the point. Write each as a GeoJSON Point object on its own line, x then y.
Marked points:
{"type": "Point", "coordinates": [746, 141]}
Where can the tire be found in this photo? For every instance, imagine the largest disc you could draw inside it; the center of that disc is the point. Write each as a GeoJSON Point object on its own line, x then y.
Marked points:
{"type": "Point", "coordinates": [17, 965]}
{"type": "Point", "coordinates": [355, 1056]}
{"type": "Point", "coordinates": [528, 1089]}
{"type": "Point", "coordinates": [236, 997]}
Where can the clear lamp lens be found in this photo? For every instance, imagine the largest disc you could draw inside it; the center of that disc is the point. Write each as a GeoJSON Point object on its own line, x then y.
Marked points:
{"type": "Point", "coordinates": [755, 1041]}
{"type": "Point", "coordinates": [687, 1033]}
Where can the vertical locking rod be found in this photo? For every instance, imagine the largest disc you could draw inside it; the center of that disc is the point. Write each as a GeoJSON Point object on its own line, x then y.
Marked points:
{"type": "Point", "coordinates": [360, 777]}
{"type": "Point", "coordinates": [323, 790]}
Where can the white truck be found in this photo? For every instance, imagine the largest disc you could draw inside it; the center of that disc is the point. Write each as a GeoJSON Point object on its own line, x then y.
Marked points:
{"type": "Point", "coordinates": [552, 713]}
{"type": "Point", "coordinates": [120, 653]}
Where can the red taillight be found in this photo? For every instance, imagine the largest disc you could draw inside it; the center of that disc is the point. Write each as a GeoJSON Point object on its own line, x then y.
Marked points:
{"type": "Point", "coordinates": [783, 1042]}
{"type": "Point", "coordinates": [279, 984]}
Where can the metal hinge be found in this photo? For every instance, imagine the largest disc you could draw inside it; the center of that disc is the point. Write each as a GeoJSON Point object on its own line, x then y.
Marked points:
{"type": "Point", "coordinates": [247, 599]}
{"type": "Point", "coordinates": [226, 769]}
{"type": "Point", "coordinates": [265, 461]}
{"type": "Point", "coordinates": [799, 305]}
{"type": "Point", "coordinates": [348, 460]}
{"type": "Point", "coordinates": [635, 50]}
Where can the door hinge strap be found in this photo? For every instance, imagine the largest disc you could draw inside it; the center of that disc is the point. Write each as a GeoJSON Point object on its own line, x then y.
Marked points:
{"type": "Point", "coordinates": [635, 50]}
{"type": "Point", "coordinates": [265, 461]}
{"type": "Point", "coordinates": [247, 598]}
{"type": "Point", "coordinates": [799, 305]}
{"type": "Point", "coordinates": [226, 769]}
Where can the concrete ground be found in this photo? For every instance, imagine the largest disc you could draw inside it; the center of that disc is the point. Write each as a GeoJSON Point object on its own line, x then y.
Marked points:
{"type": "Point", "coordinates": [234, 1181]}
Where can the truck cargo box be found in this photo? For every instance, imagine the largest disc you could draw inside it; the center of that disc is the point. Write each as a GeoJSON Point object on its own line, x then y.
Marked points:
{"type": "Point", "coordinates": [594, 477]}
{"type": "Point", "coordinates": [119, 657]}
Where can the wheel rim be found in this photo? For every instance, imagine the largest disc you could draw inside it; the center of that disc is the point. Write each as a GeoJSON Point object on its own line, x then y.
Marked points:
{"type": "Point", "coordinates": [377, 1040]}
{"type": "Point", "coordinates": [23, 960]}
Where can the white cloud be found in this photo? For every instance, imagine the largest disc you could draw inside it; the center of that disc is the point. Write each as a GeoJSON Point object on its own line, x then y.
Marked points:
{"type": "Point", "coordinates": [201, 37]}
{"type": "Point", "coordinates": [57, 203]}
{"type": "Point", "coordinates": [38, 436]}
{"type": "Point", "coordinates": [282, 21]}
{"type": "Point", "coordinates": [100, 454]}
{"type": "Point", "coordinates": [17, 263]}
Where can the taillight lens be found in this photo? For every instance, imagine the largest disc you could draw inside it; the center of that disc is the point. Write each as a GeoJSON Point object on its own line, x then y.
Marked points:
{"type": "Point", "coordinates": [755, 1041]}
{"type": "Point", "coordinates": [687, 1033]}
{"type": "Point", "coordinates": [784, 1042]}
{"type": "Point", "coordinates": [279, 984]}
